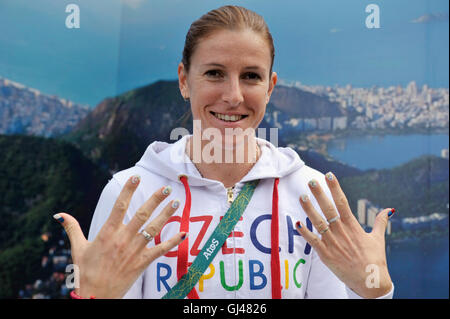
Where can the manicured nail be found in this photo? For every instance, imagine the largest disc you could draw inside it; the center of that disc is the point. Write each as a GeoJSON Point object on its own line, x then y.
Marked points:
{"type": "Point", "coordinates": [312, 183]}
{"type": "Point", "coordinates": [167, 190]}
{"type": "Point", "coordinates": [298, 224]}
{"type": "Point", "coordinates": [184, 236]}
{"type": "Point", "coordinates": [304, 198]}
{"type": "Point", "coordinates": [175, 203]}
{"type": "Point", "coordinates": [58, 217]}
{"type": "Point", "coordinates": [391, 212]}
{"type": "Point", "coordinates": [135, 179]}
{"type": "Point", "coordinates": [329, 176]}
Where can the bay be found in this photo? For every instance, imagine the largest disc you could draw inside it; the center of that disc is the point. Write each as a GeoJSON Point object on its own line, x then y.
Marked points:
{"type": "Point", "coordinates": [380, 152]}
{"type": "Point", "coordinates": [419, 268]}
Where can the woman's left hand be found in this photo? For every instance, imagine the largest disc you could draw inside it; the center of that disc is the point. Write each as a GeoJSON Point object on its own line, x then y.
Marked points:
{"type": "Point", "coordinates": [356, 257]}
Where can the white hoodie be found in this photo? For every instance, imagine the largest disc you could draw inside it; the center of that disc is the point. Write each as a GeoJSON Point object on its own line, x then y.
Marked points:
{"type": "Point", "coordinates": [242, 268]}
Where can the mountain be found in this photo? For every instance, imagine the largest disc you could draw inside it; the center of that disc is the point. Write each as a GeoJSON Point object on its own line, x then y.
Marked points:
{"type": "Point", "coordinates": [39, 177]}
{"type": "Point", "coordinates": [419, 187]}
{"type": "Point", "coordinates": [303, 104]}
{"type": "Point", "coordinates": [116, 133]}
{"type": "Point", "coordinates": [27, 111]}
{"type": "Point", "coordinates": [294, 110]}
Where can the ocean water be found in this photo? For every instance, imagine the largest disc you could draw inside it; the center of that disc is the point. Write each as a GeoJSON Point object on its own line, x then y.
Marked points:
{"type": "Point", "coordinates": [386, 151]}
{"type": "Point", "coordinates": [419, 268]}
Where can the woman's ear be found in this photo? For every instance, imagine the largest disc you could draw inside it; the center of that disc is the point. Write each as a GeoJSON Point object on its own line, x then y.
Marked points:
{"type": "Point", "coordinates": [272, 82]}
{"type": "Point", "coordinates": [182, 81]}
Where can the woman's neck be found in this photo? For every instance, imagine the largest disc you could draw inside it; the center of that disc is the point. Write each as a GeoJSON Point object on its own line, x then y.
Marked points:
{"type": "Point", "coordinates": [226, 166]}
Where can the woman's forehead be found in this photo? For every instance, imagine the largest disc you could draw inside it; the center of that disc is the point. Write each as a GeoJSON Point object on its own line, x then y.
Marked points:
{"type": "Point", "coordinates": [226, 47]}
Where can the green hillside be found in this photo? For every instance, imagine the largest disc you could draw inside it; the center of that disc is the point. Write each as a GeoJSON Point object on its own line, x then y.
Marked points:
{"type": "Point", "coordinates": [39, 177]}
{"type": "Point", "coordinates": [419, 187]}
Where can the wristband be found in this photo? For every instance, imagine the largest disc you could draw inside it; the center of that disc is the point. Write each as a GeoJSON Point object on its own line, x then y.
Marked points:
{"type": "Point", "coordinates": [73, 295]}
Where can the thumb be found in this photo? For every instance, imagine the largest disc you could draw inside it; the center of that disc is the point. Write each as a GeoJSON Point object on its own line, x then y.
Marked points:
{"type": "Point", "coordinates": [72, 228]}
{"type": "Point", "coordinates": [381, 221]}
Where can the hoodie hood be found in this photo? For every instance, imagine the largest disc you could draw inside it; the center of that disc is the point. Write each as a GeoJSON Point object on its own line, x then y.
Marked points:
{"type": "Point", "coordinates": [171, 161]}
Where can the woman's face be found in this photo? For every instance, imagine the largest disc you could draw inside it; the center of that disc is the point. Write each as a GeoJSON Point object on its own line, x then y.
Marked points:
{"type": "Point", "coordinates": [228, 82]}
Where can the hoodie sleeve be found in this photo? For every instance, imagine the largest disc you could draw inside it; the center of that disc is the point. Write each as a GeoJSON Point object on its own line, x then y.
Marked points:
{"type": "Point", "coordinates": [101, 214]}
{"type": "Point", "coordinates": [323, 284]}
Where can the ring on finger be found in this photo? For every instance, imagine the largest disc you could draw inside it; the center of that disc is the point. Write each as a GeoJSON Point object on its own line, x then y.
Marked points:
{"type": "Point", "coordinates": [324, 230]}
{"type": "Point", "coordinates": [146, 235]}
{"type": "Point", "coordinates": [332, 220]}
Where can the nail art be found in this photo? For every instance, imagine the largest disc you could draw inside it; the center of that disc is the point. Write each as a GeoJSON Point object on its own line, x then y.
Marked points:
{"type": "Point", "coordinates": [304, 198]}
{"type": "Point", "coordinates": [391, 212]}
{"type": "Point", "coordinates": [58, 217]}
{"type": "Point", "coordinates": [135, 179]}
{"type": "Point", "coordinates": [298, 224]}
{"type": "Point", "coordinates": [312, 183]}
{"type": "Point", "coordinates": [329, 176]}
{"type": "Point", "coordinates": [184, 236]}
{"type": "Point", "coordinates": [167, 190]}
{"type": "Point", "coordinates": [175, 203]}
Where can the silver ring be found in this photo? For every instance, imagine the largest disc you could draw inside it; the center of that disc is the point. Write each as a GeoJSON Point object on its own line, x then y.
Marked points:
{"type": "Point", "coordinates": [332, 220]}
{"type": "Point", "coordinates": [146, 235]}
{"type": "Point", "coordinates": [324, 230]}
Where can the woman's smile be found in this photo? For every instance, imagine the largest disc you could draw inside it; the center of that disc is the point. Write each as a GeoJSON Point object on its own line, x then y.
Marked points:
{"type": "Point", "coordinates": [228, 120]}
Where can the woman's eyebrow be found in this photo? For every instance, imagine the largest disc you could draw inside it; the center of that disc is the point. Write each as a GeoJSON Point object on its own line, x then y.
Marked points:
{"type": "Point", "coordinates": [214, 64]}
{"type": "Point", "coordinates": [254, 67]}
{"type": "Point", "coordinates": [251, 67]}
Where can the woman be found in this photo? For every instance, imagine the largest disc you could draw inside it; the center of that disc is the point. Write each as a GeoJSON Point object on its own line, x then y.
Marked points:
{"type": "Point", "coordinates": [226, 74]}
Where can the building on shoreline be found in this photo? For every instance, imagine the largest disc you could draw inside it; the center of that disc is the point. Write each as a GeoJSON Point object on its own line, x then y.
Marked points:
{"type": "Point", "coordinates": [367, 213]}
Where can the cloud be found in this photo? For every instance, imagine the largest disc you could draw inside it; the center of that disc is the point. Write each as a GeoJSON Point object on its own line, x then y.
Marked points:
{"type": "Point", "coordinates": [134, 4]}
{"type": "Point", "coordinates": [431, 17]}
{"type": "Point", "coordinates": [335, 30]}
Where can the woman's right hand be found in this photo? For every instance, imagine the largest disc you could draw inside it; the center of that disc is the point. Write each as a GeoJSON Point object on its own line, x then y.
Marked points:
{"type": "Point", "coordinates": [110, 264]}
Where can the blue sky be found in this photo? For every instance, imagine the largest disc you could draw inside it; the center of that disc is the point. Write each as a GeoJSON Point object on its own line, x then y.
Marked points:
{"type": "Point", "coordinates": [123, 44]}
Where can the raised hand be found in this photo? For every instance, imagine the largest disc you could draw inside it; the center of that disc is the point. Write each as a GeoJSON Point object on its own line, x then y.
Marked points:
{"type": "Point", "coordinates": [110, 264]}
{"type": "Point", "coordinates": [344, 247]}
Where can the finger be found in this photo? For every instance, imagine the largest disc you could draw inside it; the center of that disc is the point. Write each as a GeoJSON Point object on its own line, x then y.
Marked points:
{"type": "Point", "coordinates": [163, 248]}
{"type": "Point", "coordinates": [146, 210]}
{"type": "Point", "coordinates": [325, 204]}
{"type": "Point", "coordinates": [122, 202]}
{"type": "Point", "coordinates": [310, 237]}
{"type": "Point", "coordinates": [318, 222]}
{"type": "Point", "coordinates": [381, 221]}
{"type": "Point", "coordinates": [155, 226]}
{"type": "Point", "coordinates": [73, 230]}
{"type": "Point", "coordinates": [340, 200]}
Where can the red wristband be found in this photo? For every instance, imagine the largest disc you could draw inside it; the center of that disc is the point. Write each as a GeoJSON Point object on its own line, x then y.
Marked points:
{"type": "Point", "coordinates": [73, 295]}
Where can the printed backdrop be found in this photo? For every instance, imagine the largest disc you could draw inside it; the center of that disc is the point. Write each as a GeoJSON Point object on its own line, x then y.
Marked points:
{"type": "Point", "coordinates": [85, 86]}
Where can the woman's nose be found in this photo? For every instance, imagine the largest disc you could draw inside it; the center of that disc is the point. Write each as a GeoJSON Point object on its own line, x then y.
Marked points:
{"type": "Point", "coordinates": [233, 93]}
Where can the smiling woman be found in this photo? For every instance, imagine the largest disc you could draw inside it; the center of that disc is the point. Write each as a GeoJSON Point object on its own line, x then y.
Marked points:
{"type": "Point", "coordinates": [257, 215]}
{"type": "Point", "coordinates": [226, 73]}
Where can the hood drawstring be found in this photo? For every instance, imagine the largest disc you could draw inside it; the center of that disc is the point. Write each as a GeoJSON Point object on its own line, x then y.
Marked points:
{"type": "Point", "coordinates": [183, 247]}
{"type": "Point", "coordinates": [274, 244]}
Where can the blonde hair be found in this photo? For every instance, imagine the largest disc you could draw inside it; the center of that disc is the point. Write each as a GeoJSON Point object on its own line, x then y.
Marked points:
{"type": "Point", "coordinates": [225, 18]}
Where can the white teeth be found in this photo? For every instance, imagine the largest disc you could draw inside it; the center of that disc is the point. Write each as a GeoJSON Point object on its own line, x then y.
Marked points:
{"type": "Point", "coordinates": [229, 118]}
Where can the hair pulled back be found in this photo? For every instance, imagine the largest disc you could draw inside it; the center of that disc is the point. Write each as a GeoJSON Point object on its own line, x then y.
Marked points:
{"type": "Point", "coordinates": [233, 18]}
